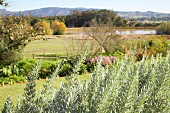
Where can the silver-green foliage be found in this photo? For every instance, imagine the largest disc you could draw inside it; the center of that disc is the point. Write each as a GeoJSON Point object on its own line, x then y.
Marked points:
{"type": "Point", "coordinates": [124, 87]}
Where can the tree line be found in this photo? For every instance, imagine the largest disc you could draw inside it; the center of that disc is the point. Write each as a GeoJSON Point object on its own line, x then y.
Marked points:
{"type": "Point", "coordinates": [84, 18]}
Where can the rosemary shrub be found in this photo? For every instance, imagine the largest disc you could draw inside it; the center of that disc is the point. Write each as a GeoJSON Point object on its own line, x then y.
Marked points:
{"type": "Point", "coordinates": [124, 87]}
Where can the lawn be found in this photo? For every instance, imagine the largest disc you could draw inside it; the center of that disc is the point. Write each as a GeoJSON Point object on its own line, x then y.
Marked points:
{"type": "Point", "coordinates": [59, 45]}
{"type": "Point", "coordinates": [52, 45]}
{"type": "Point", "coordinates": [18, 88]}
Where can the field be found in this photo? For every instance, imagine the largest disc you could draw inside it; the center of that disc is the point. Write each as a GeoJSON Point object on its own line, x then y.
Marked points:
{"type": "Point", "coordinates": [52, 45]}
{"type": "Point", "coordinates": [61, 45]}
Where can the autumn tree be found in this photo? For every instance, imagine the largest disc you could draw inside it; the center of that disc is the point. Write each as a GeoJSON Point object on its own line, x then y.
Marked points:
{"type": "Point", "coordinates": [43, 26]}
{"type": "Point", "coordinates": [59, 28]}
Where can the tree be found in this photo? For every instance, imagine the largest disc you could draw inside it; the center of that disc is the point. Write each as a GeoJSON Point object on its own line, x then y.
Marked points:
{"type": "Point", "coordinates": [59, 28]}
{"type": "Point", "coordinates": [3, 3]}
{"type": "Point", "coordinates": [39, 26]}
{"type": "Point", "coordinates": [132, 22]}
{"type": "Point", "coordinates": [34, 21]}
{"type": "Point", "coordinates": [15, 34]}
{"type": "Point", "coordinates": [164, 28]}
{"type": "Point", "coordinates": [103, 33]}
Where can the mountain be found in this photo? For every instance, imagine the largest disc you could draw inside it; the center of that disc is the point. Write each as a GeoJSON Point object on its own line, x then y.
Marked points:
{"type": "Point", "coordinates": [138, 14]}
{"type": "Point", "coordinates": [55, 11]}
{"type": "Point", "coordinates": [48, 11]}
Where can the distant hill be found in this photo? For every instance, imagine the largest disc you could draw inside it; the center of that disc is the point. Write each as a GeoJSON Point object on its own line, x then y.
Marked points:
{"type": "Point", "coordinates": [48, 11]}
{"type": "Point", "coordinates": [55, 11]}
{"type": "Point", "coordinates": [138, 14]}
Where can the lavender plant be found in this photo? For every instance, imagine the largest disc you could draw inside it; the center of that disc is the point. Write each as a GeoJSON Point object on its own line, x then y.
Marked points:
{"type": "Point", "coordinates": [125, 86]}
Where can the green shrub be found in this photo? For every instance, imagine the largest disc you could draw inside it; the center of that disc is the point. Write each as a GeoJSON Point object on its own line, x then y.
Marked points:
{"type": "Point", "coordinates": [125, 86]}
{"type": "Point", "coordinates": [12, 79]}
{"type": "Point", "coordinates": [18, 72]}
{"type": "Point", "coordinates": [46, 68]}
{"type": "Point", "coordinates": [148, 47]}
{"type": "Point", "coordinates": [164, 28]}
{"type": "Point", "coordinates": [67, 67]}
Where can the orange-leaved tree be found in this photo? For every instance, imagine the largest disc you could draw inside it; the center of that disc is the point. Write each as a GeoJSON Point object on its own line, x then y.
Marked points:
{"type": "Point", "coordinates": [43, 26]}
{"type": "Point", "coordinates": [59, 28]}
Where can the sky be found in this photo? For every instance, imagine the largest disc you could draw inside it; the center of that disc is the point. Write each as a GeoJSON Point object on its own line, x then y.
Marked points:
{"type": "Point", "coordinates": [116, 5]}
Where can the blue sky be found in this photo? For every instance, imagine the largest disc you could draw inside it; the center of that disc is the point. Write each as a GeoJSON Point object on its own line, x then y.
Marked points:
{"type": "Point", "coordinates": [116, 5]}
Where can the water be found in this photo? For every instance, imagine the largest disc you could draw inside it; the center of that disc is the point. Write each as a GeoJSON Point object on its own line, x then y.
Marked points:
{"type": "Point", "coordinates": [140, 31]}
{"type": "Point", "coordinates": [124, 31]}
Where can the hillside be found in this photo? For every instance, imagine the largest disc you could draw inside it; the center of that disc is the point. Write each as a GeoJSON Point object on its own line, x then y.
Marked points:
{"type": "Point", "coordinates": [55, 11]}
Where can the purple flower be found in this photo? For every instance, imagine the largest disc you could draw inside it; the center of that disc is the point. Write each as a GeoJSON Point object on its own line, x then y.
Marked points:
{"type": "Point", "coordinates": [106, 60]}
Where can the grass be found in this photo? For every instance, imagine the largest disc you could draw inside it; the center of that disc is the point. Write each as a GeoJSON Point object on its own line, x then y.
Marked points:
{"type": "Point", "coordinates": [16, 89]}
{"type": "Point", "coordinates": [54, 44]}
{"type": "Point", "coordinates": [59, 45]}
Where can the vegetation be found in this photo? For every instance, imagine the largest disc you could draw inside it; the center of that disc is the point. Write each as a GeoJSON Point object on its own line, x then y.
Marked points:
{"type": "Point", "coordinates": [164, 28]}
{"type": "Point", "coordinates": [123, 87]}
{"type": "Point", "coordinates": [132, 84]}
{"type": "Point", "coordinates": [58, 28]}
{"type": "Point", "coordinates": [7, 90]}
{"type": "Point", "coordinates": [104, 35]}
{"type": "Point", "coordinates": [43, 26]}
{"type": "Point", "coordinates": [3, 3]}
{"type": "Point", "coordinates": [83, 18]}
{"type": "Point", "coordinates": [15, 34]}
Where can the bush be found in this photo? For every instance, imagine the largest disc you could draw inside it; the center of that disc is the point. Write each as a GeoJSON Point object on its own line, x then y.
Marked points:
{"type": "Point", "coordinates": [43, 26]}
{"type": "Point", "coordinates": [67, 67]}
{"type": "Point", "coordinates": [12, 79]}
{"type": "Point", "coordinates": [34, 21]}
{"type": "Point", "coordinates": [59, 28]}
{"type": "Point", "coordinates": [164, 28]}
{"type": "Point", "coordinates": [125, 86]}
{"type": "Point", "coordinates": [47, 67]}
{"type": "Point", "coordinates": [105, 61]}
{"type": "Point", "coordinates": [148, 47]}
{"type": "Point", "coordinates": [15, 34]}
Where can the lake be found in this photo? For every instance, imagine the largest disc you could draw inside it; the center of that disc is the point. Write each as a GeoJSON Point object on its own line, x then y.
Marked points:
{"type": "Point", "coordinates": [121, 31]}
{"type": "Point", "coordinates": [136, 31]}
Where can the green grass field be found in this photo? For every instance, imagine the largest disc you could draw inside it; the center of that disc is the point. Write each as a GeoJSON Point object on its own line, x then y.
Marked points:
{"type": "Point", "coordinates": [56, 45]}
{"type": "Point", "coordinates": [59, 45]}
{"type": "Point", "coordinates": [18, 88]}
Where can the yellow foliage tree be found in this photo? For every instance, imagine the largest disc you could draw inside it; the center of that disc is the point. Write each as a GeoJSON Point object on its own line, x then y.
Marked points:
{"type": "Point", "coordinates": [43, 26]}
{"type": "Point", "coordinates": [59, 28]}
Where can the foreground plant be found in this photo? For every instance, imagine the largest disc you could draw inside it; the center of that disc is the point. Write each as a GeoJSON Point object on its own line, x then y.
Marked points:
{"type": "Point", "coordinates": [125, 87]}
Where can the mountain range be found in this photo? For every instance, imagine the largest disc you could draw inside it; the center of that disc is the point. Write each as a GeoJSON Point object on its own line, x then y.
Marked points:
{"type": "Point", "coordinates": [55, 11]}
